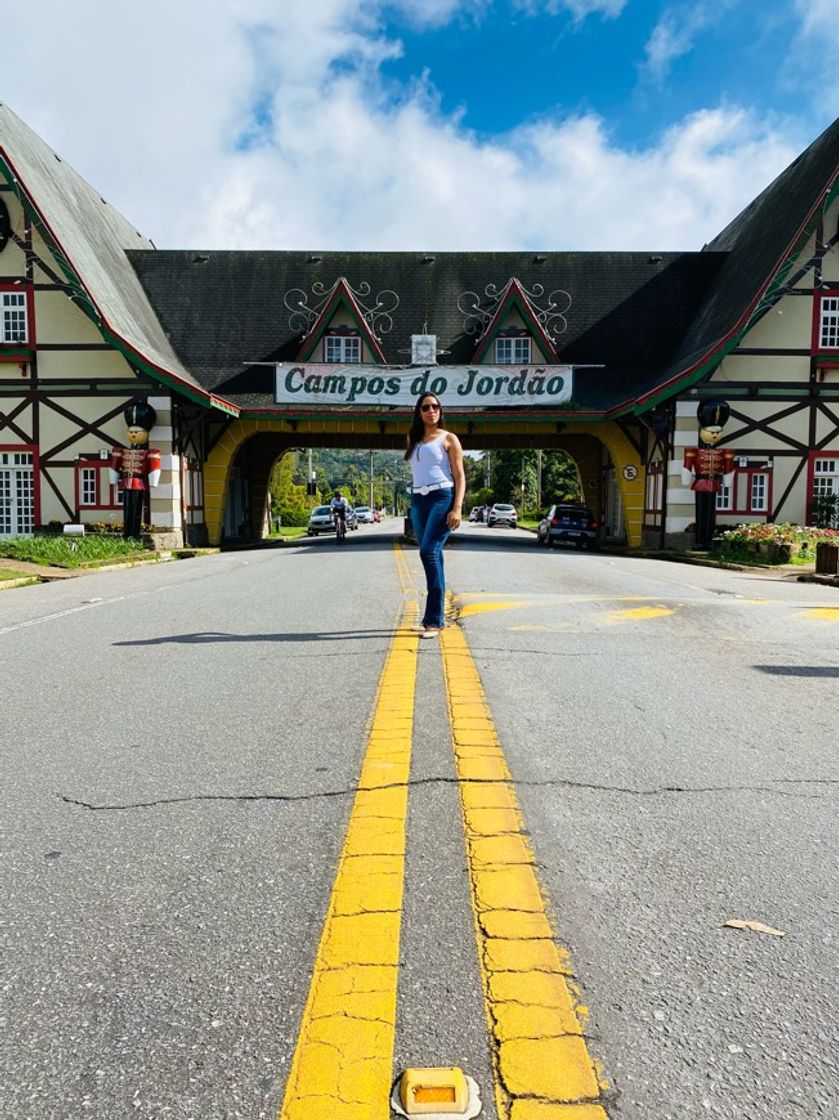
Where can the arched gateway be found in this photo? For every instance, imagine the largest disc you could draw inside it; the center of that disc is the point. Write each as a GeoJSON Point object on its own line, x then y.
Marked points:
{"type": "Point", "coordinates": [610, 465]}
{"type": "Point", "coordinates": [244, 355]}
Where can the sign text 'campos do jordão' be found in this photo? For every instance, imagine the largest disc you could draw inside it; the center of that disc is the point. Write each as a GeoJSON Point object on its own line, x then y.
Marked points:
{"type": "Point", "coordinates": [457, 386]}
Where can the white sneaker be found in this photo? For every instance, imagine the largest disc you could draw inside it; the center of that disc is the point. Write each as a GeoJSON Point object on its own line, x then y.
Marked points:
{"type": "Point", "coordinates": [432, 633]}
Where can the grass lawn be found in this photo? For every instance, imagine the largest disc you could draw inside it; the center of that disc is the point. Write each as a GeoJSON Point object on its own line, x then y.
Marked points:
{"type": "Point", "coordinates": [289, 533]}
{"type": "Point", "coordinates": [73, 552]}
{"type": "Point", "coordinates": [10, 573]}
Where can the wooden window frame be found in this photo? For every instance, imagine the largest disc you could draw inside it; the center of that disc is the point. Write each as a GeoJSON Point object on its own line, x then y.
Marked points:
{"type": "Point", "coordinates": [654, 501]}
{"type": "Point", "coordinates": [742, 492]}
{"type": "Point", "coordinates": [104, 487]}
{"type": "Point", "coordinates": [342, 340]}
{"type": "Point", "coordinates": [812, 458]}
{"type": "Point", "coordinates": [513, 341]}
{"type": "Point", "coordinates": [826, 354]}
{"type": "Point", "coordinates": [194, 485]}
{"type": "Point", "coordinates": [10, 288]}
{"type": "Point", "coordinates": [28, 449]}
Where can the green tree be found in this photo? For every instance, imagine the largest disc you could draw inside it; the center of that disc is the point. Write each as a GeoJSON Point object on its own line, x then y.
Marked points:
{"type": "Point", "coordinates": [560, 478]}
{"type": "Point", "coordinates": [287, 499]}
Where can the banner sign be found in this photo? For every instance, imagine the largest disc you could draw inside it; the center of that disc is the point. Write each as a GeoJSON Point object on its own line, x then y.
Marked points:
{"type": "Point", "coordinates": [456, 386]}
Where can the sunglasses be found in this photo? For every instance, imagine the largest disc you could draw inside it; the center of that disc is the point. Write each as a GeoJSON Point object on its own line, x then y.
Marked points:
{"type": "Point", "coordinates": [429, 407]}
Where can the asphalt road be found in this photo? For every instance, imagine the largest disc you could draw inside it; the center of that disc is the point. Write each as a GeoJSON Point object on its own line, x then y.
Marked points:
{"type": "Point", "coordinates": [180, 749]}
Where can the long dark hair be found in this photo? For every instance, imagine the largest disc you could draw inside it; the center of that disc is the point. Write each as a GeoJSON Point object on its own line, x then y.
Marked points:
{"type": "Point", "coordinates": [417, 430]}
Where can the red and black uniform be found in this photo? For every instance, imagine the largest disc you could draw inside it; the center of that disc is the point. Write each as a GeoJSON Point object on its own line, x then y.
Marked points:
{"type": "Point", "coordinates": [134, 465]}
{"type": "Point", "coordinates": [709, 465]}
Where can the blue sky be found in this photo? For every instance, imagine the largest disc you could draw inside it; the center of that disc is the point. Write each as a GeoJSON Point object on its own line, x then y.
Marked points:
{"type": "Point", "coordinates": [501, 66]}
{"type": "Point", "coordinates": [426, 124]}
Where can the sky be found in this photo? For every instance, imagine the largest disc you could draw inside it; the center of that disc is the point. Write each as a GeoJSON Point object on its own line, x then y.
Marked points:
{"type": "Point", "coordinates": [425, 124]}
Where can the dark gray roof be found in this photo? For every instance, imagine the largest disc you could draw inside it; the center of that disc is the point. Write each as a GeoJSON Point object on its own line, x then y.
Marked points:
{"type": "Point", "coordinates": [755, 245]}
{"type": "Point", "coordinates": [221, 310]}
{"type": "Point", "coordinates": [93, 237]}
{"type": "Point", "coordinates": [653, 321]}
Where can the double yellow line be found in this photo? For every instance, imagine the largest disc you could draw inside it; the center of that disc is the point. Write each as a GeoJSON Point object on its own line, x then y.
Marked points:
{"type": "Point", "coordinates": [342, 1066]}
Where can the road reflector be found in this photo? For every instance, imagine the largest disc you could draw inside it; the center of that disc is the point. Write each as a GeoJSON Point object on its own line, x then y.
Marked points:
{"type": "Point", "coordinates": [444, 1092]}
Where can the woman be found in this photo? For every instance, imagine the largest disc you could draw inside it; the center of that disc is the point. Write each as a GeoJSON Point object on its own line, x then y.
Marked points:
{"type": "Point", "coordinates": [436, 460]}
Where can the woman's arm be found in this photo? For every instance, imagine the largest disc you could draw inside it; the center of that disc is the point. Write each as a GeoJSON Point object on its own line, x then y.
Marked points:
{"type": "Point", "coordinates": [455, 453]}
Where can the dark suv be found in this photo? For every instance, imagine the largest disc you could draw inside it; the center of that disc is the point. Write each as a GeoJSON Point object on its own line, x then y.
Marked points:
{"type": "Point", "coordinates": [568, 521]}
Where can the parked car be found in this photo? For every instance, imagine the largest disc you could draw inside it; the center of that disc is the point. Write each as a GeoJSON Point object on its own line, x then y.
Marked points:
{"type": "Point", "coordinates": [477, 513]}
{"type": "Point", "coordinates": [352, 518]}
{"type": "Point", "coordinates": [364, 515]}
{"type": "Point", "coordinates": [320, 521]}
{"type": "Point", "coordinates": [502, 514]}
{"type": "Point", "coordinates": [377, 515]}
{"type": "Point", "coordinates": [570, 522]}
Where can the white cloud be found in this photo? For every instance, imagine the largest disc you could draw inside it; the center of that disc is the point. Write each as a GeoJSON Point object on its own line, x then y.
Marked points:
{"type": "Point", "coordinates": [820, 20]}
{"type": "Point", "coordinates": [676, 32]}
{"type": "Point", "coordinates": [259, 124]}
{"type": "Point", "coordinates": [579, 9]}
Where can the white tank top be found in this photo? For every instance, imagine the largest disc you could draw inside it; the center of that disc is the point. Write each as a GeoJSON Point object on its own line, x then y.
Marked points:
{"type": "Point", "coordinates": [430, 463]}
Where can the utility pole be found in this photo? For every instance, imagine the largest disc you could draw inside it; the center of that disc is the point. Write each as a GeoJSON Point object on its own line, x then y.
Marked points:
{"type": "Point", "coordinates": [539, 480]}
{"type": "Point", "coordinates": [487, 470]}
{"type": "Point", "coordinates": [371, 479]}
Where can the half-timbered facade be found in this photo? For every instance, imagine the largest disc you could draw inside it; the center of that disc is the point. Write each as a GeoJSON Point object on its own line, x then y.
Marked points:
{"type": "Point", "coordinates": [92, 317]}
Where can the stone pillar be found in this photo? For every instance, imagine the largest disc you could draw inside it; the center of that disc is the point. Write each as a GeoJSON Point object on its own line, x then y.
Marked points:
{"type": "Point", "coordinates": [165, 498]}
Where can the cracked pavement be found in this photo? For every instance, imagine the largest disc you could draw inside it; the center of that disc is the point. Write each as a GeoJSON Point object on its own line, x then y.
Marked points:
{"type": "Point", "coordinates": [174, 813]}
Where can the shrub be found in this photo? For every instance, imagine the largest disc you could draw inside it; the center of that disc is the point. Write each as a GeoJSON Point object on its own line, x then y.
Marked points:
{"type": "Point", "coordinates": [764, 543]}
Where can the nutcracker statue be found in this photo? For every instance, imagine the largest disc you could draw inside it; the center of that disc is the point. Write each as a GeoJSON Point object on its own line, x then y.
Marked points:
{"type": "Point", "coordinates": [707, 468]}
{"type": "Point", "coordinates": [135, 468]}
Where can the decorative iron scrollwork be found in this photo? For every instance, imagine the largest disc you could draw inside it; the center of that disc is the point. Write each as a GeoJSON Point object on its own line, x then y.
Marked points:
{"type": "Point", "coordinates": [549, 311]}
{"type": "Point", "coordinates": [378, 316]}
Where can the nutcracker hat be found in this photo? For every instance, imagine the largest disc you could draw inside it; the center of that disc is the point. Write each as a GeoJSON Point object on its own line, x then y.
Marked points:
{"type": "Point", "coordinates": [712, 414]}
{"type": "Point", "coordinates": [140, 415]}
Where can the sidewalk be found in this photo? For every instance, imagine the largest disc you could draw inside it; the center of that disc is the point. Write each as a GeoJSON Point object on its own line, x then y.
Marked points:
{"type": "Point", "coordinates": [39, 571]}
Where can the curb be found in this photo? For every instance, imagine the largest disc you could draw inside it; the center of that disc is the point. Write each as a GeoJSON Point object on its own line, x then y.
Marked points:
{"type": "Point", "coordinates": [24, 581]}
{"type": "Point", "coordinates": [825, 581]}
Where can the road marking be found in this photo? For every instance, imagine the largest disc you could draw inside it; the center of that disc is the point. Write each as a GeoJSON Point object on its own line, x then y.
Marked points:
{"type": "Point", "coordinates": [503, 605]}
{"type": "Point", "coordinates": [639, 614]}
{"type": "Point", "coordinates": [831, 614]}
{"type": "Point", "coordinates": [541, 1064]}
{"type": "Point", "coordinates": [342, 1064]}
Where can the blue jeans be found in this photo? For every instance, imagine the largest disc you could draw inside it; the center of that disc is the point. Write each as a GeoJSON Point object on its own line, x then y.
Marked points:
{"type": "Point", "coordinates": [428, 517]}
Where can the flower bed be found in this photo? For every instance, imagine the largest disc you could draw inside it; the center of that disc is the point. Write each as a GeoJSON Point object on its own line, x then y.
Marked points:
{"type": "Point", "coordinates": [771, 544]}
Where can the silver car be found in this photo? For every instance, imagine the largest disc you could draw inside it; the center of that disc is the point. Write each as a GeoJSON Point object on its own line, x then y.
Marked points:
{"type": "Point", "coordinates": [502, 514]}
{"type": "Point", "coordinates": [320, 521]}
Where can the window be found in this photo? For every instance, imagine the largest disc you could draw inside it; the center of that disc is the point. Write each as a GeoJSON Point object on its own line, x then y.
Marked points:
{"type": "Point", "coordinates": [750, 491]}
{"type": "Point", "coordinates": [826, 477]}
{"type": "Point", "coordinates": [758, 493]}
{"type": "Point", "coordinates": [93, 487]}
{"type": "Point", "coordinates": [829, 323]}
{"type": "Point", "coordinates": [512, 351]}
{"type": "Point", "coordinates": [824, 505]}
{"type": "Point", "coordinates": [654, 499]}
{"type": "Point", "coordinates": [342, 348]}
{"type": "Point", "coordinates": [14, 325]}
{"type": "Point", "coordinates": [88, 488]}
{"type": "Point", "coordinates": [17, 493]}
{"type": "Point", "coordinates": [195, 485]}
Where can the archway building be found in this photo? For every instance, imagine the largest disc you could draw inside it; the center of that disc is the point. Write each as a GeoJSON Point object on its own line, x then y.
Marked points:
{"type": "Point", "coordinates": [94, 316]}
